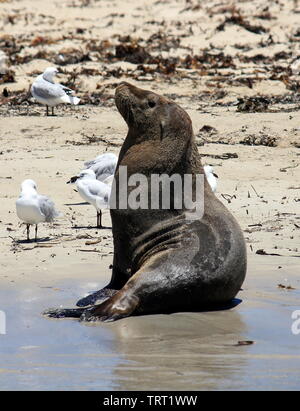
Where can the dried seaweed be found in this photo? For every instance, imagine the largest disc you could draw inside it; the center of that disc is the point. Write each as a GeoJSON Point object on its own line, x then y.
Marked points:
{"type": "Point", "coordinates": [15, 98]}
{"type": "Point", "coordinates": [238, 19]}
{"type": "Point", "coordinates": [133, 53]}
{"type": "Point", "coordinates": [224, 156]}
{"type": "Point", "coordinates": [101, 47]}
{"type": "Point", "coordinates": [157, 57]}
{"type": "Point", "coordinates": [7, 77]}
{"type": "Point", "coordinates": [162, 41]}
{"type": "Point", "coordinates": [70, 56]}
{"type": "Point", "coordinates": [265, 15]}
{"type": "Point", "coordinates": [208, 130]}
{"type": "Point", "coordinates": [253, 104]}
{"type": "Point", "coordinates": [208, 59]}
{"type": "Point", "coordinates": [41, 40]}
{"type": "Point", "coordinates": [260, 140]}
{"type": "Point", "coordinates": [97, 99]}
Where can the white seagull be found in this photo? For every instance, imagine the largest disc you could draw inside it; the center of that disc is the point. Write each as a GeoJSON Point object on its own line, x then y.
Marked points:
{"type": "Point", "coordinates": [211, 177]}
{"type": "Point", "coordinates": [33, 208]}
{"type": "Point", "coordinates": [93, 191]}
{"type": "Point", "coordinates": [47, 92]}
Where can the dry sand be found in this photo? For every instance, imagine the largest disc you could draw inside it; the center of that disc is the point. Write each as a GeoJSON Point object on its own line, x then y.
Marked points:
{"type": "Point", "coordinates": [205, 66]}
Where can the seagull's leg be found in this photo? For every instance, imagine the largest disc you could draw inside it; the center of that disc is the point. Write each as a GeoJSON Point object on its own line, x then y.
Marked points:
{"type": "Point", "coordinates": [100, 218]}
{"type": "Point", "coordinates": [47, 112]}
{"type": "Point", "coordinates": [27, 229]}
{"type": "Point", "coordinates": [53, 111]}
{"type": "Point", "coordinates": [35, 238]}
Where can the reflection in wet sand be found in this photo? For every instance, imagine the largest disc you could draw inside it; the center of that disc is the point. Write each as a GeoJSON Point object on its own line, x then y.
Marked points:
{"type": "Point", "coordinates": [177, 351]}
{"type": "Point", "coordinates": [188, 351]}
{"type": "Point", "coordinates": [182, 351]}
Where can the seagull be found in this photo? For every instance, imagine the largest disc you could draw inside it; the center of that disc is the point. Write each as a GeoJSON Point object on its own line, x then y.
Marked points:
{"type": "Point", "coordinates": [211, 177]}
{"type": "Point", "coordinates": [93, 191]}
{"type": "Point", "coordinates": [33, 208]}
{"type": "Point", "coordinates": [47, 92]}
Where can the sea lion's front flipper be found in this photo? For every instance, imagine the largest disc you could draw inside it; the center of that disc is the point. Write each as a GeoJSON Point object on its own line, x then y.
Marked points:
{"type": "Point", "coordinates": [121, 305]}
{"type": "Point", "coordinates": [64, 312]}
{"type": "Point", "coordinates": [96, 297]}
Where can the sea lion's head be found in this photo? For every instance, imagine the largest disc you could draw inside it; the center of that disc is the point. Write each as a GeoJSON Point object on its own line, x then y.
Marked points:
{"type": "Point", "coordinates": [151, 116]}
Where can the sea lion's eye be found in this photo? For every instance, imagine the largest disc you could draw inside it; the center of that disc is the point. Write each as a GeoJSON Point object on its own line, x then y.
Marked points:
{"type": "Point", "coordinates": [151, 103]}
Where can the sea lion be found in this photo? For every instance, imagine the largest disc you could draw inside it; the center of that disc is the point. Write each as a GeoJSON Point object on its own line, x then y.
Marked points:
{"type": "Point", "coordinates": [164, 261]}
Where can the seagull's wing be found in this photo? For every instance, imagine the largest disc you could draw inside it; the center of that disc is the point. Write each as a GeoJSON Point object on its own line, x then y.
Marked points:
{"type": "Point", "coordinates": [67, 90]}
{"type": "Point", "coordinates": [97, 188]}
{"type": "Point", "coordinates": [104, 172]}
{"type": "Point", "coordinates": [47, 207]}
{"type": "Point", "coordinates": [45, 89]}
{"type": "Point", "coordinates": [102, 201]}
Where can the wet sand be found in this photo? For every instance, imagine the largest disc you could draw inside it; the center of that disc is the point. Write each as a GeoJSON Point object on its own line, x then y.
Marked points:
{"type": "Point", "coordinates": [181, 351]}
{"type": "Point", "coordinates": [205, 57]}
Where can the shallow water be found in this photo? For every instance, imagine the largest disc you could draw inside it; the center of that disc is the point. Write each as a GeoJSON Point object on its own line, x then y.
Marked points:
{"type": "Point", "coordinates": [182, 351]}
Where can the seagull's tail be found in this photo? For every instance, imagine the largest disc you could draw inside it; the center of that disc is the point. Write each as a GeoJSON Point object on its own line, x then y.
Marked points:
{"type": "Point", "coordinates": [52, 214]}
{"type": "Point", "coordinates": [67, 98]}
{"type": "Point", "coordinates": [74, 100]}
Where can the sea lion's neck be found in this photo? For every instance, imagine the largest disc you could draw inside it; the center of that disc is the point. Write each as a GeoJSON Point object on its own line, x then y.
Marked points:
{"type": "Point", "coordinates": [147, 155]}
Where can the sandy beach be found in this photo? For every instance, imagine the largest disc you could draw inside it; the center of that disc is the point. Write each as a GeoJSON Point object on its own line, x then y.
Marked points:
{"type": "Point", "coordinates": [231, 67]}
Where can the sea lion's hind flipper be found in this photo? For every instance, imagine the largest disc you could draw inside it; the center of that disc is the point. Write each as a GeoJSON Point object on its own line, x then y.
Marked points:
{"type": "Point", "coordinates": [96, 297]}
{"type": "Point", "coordinates": [121, 305]}
{"type": "Point", "coordinates": [64, 312]}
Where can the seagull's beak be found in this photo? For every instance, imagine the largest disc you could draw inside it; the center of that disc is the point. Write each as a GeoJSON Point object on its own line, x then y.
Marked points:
{"type": "Point", "coordinates": [72, 180]}
{"type": "Point", "coordinates": [216, 175]}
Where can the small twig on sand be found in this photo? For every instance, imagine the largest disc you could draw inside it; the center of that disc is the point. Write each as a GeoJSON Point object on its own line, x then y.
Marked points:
{"type": "Point", "coordinates": [255, 191]}
{"type": "Point", "coordinates": [39, 246]}
{"type": "Point", "coordinates": [263, 252]}
{"type": "Point", "coordinates": [228, 197]}
{"type": "Point", "coordinates": [93, 241]}
{"type": "Point", "coordinates": [90, 251]}
{"type": "Point", "coordinates": [286, 168]}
